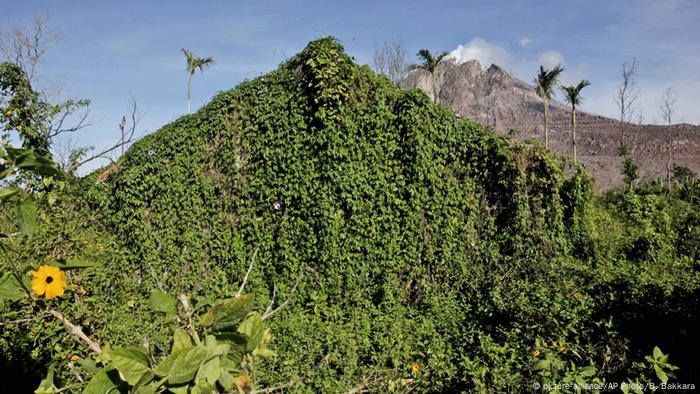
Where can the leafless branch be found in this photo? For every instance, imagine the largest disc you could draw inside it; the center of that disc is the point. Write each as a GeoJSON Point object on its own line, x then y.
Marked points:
{"type": "Point", "coordinates": [627, 94]}
{"type": "Point", "coordinates": [75, 372]}
{"type": "Point", "coordinates": [269, 311]}
{"type": "Point", "coordinates": [76, 331]}
{"type": "Point", "coordinates": [272, 300]}
{"type": "Point", "coordinates": [667, 107]}
{"type": "Point", "coordinates": [245, 278]}
{"type": "Point", "coordinates": [77, 111]}
{"type": "Point", "coordinates": [26, 46]}
{"type": "Point", "coordinates": [321, 364]}
{"type": "Point", "coordinates": [186, 319]}
{"type": "Point", "coordinates": [127, 138]}
{"type": "Point", "coordinates": [390, 59]}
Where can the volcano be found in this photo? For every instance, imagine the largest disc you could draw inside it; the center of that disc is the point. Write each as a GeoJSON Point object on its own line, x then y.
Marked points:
{"type": "Point", "coordinates": [496, 98]}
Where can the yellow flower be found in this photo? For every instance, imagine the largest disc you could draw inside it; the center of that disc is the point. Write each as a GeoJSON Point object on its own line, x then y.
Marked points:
{"type": "Point", "coordinates": [8, 113]}
{"type": "Point", "coordinates": [48, 281]}
{"type": "Point", "coordinates": [415, 367]}
{"type": "Point", "coordinates": [19, 128]}
{"type": "Point", "coordinates": [536, 353]}
{"type": "Point", "coordinates": [74, 358]}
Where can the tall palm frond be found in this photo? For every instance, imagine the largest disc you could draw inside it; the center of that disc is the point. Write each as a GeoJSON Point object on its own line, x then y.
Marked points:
{"type": "Point", "coordinates": [194, 63]}
{"type": "Point", "coordinates": [572, 94]}
{"type": "Point", "coordinates": [546, 80]}
{"type": "Point", "coordinates": [544, 87]}
{"type": "Point", "coordinates": [429, 63]}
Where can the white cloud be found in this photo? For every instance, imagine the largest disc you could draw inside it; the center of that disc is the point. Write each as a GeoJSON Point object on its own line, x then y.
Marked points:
{"type": "Point", "coordinates": [483, 51]}
{"type": "Point", "coordinates": [573, 75]}
{"type": "Point", "coordinates": [551, 59]}
{"type": "Point", "coordinates": [525, 41]}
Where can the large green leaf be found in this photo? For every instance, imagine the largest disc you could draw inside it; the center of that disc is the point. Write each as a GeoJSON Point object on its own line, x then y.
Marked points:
{"type": "Point", "coordinates": [214, 347]}
{"type": "Point", "coordinates": [163, 302]}
{"type": "Point", "coordinates": [227, 313]}
{"type": "Point", "coordinates": [237, 348]}
{"type": "Point", "coordinates": [264, 352]}
{"type": "Point", "coordinates": [26, 216]}
{"type": "Point", "coordinates": [587, 371]}
{"type": "Point", "coordinates": [103, 382]}
{"type": "Point", "coordinates": [10, 288]}
{"type": "Point", "coordinates": [254, 330]}
{"type": "Point", "coordinates": [209, 371]}
{"type": "Point", "coordinates": [27, 160]}
{"type": "Point", "coordinates": [181, 340]}
{"type": "Point", "coordinates": [7, 193]}
{"type": "Point", "coordinates": [73, 264]}
{"type": "Point", "coordinates": [660, 374]}
{"type": "Point", "coordinates": [203, 388]}
{"type": "Point", "coordinates": [145, 379]}
{"type": "Point", "coordinates": [181, 366]}
{"type": "Point", "coordinates": [226, 380]}
{"type": "Point", "coordinates": [541, 364]}
{"type": "Point", "coordinates": [179, 389]}
{"type": "Point", "coordinates": [145, 390]}
{"type": "Point", "coordinates": [47, 386]}
{"type": "Point", "coordinates": [132, 363]}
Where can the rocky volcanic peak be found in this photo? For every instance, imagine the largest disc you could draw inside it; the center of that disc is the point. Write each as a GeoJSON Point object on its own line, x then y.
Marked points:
{"type": "Point", "coordinates": [494, 97]}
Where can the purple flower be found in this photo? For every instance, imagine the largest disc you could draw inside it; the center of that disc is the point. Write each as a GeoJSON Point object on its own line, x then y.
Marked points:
{"type": "Point", "coordinates": [277, 206]}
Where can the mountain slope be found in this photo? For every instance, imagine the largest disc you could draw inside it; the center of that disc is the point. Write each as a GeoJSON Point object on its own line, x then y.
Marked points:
{"type": "Point", "coordinates": [494, 97]}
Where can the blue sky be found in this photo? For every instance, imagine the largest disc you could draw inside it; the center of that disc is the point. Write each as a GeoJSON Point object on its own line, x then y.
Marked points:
{"type": "Point", "coordinates": [111, 51]}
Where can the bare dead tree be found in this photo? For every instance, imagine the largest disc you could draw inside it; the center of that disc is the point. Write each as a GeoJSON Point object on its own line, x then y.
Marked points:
{"type": "Point", "coordinates": [390, 58]}
{"type": "Point", "coordinates": [26, 47]}
{"type": "Point", "coordinates": [79, 157]}
{"type": "Point", "coordinates": [122, 124]}
{"type": "Point", "coordinates": [627, 94]}
{"type": "Point", "coordinates": [667, 107]}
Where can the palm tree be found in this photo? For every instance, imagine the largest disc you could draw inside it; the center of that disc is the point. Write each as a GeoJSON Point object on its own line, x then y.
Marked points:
{"type": "Point", "coordinates": [544, 86]}
{"type": "Point", "coordinates": [429, 64]}
{"type": "Point", "coordinates": [572, 94]}
{"type": "Point", "coordinates": [194, 63]}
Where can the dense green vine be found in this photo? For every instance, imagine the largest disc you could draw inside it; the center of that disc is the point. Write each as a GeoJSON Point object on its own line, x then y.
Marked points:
{"type": "Point", "coordinates": [427, 248]}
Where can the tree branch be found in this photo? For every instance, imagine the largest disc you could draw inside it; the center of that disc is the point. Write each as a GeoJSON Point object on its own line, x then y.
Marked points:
{"type": "Point", "coordinates": [76, 331]}
{"type": "Point", "coordinates": [269, 311]}
{"type": "Point", "coordinates": [245, 278]}
{"type": "Point", "coordinates": [125, 140]}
